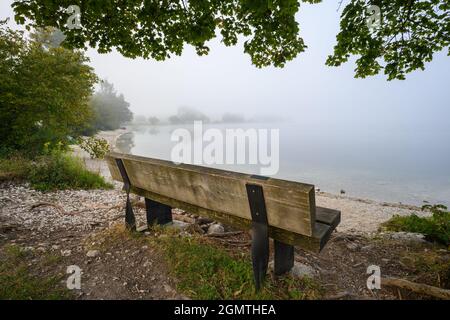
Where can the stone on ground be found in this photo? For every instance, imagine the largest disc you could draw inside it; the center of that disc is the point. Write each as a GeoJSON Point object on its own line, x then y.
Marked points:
{"type": "Point", "coordinates": [216, 229]}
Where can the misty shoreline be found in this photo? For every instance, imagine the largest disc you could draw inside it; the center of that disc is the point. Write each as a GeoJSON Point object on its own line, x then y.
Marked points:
{"type": "Point", "coordinates": [360, 216]}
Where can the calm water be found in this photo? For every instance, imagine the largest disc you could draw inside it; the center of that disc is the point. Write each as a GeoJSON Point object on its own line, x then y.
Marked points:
{"type": "Point", "coordinates": [391, 165]}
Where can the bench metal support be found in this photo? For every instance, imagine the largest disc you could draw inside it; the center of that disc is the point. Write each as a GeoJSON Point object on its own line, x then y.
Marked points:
{"type": "Point", "coordinates": [130, 220]}
{"type": "Point", "coordinates": [284, 257]}
{"type": "Point", "coordinates": [260, 233]}
{"type": "Point", "coordinates": [157, 213]}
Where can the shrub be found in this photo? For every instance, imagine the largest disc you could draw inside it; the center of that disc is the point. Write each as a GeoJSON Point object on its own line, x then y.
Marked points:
{"type": "Point", "coordinates": [14, 168]}
{"type": "Point", "coordinates": [60, 171]}
{"type": "Point", "coordinates": [44, 95]}
{"type": "Point", "coordinates": [96, 147]}
{"type": "Point", "coordinates": [435, 228]}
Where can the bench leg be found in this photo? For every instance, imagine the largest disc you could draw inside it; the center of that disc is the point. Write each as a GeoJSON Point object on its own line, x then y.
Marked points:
{"type": "Point", "coordinates": [130, 220]}
{"type": "Point", "coordinates": [284, 257]}
{"type": "Point", "coordinates": [260, 233]}
{"type": "Point", "coordinates": [157, 212]}
{"type": "Point", "coordinates": [260, 253]}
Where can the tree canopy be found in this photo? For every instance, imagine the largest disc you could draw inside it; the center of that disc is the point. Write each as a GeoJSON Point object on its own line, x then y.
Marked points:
{"type": "Point", "coordinates": [411, 31]}
{"type": "Point", "coordinates": [44, 93]}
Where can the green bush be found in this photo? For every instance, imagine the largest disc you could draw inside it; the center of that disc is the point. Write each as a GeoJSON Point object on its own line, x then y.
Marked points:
{"type": "Point", "coordinates": [435, 228]}
{"type": "Point", "coordinates": [46, 111]}
{"type": "Point", "coordinates": [96, 147]}
{"type": "Point", "coordinates": [61, 171]}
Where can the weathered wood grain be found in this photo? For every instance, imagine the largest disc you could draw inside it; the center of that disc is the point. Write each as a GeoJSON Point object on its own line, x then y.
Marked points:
{"type": "Point", "coordinates": [290, 205]}
{"type": "Point", "coordinates": [314, 243]}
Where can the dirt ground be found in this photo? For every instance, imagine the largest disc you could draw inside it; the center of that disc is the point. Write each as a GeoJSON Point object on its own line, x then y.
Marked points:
{"type": "Point", "coordinates": [116, 265]}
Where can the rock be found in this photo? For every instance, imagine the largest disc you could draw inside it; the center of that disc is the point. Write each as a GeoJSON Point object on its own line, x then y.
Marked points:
{"type": "Point", "coordinates": [302, 270]}
{"type": "Point", "coordinates": [167, 288]}
{"type": "Point", "coordinates": [28, 249]}
{"type": "Point", "coordinates": [352, 246]}
{"type": "Point", "coordinates": [367, 248]}
{"type": "Point", "coordinates": [92, 253]}
{"type": "Point", "coordinates": [147, 264]}
{"type": "Point", "coordinates": [216, 229]}
{"type": "Point", "coordinates": [406, 236]}
{"type": "Point", "coordinates": [66, 253]}
{"type": "Point", "coordinates": [299, 270]}
{"type": "Point", "coordinates": [177, 224]}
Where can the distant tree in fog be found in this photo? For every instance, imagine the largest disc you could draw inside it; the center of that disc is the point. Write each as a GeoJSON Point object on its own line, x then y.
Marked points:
{"type": "Point", "coordinates": [188, 115]}
{"type": "Point", "coordinates": [232, 118]}
{"type": "Point", "coordinates": [110, 108]}
{"type": "Point", "coordinates": [140, 120]}
{"type": "Point", "coordinates": [153, 121]}
{"type": "Point", "coordinates": [174, 120]}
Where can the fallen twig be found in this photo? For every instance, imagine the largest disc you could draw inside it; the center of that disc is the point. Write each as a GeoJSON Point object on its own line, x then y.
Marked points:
{"type": "Point", "coordinates": [236, 243]}
{"type": "Point", "coordinates": [223, 235]}
{"type": "Point", "coordinates": [117, 217]}
{"type": "Point", "coordinates": [341, 295]}
{"type": "Point", "coordinates": [49, 204]}
{"type": "Point", "coordinates": [107, 208]}
{"type": "Point", "coordinates": [417, 287]}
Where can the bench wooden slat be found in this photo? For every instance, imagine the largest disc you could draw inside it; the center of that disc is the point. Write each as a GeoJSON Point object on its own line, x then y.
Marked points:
{"type": "Point", "coordinates": [327, 216]}
{"type": "Point", "coordinates": [315, 243]}
{"type": "Point", "coordinates": [290, 205]}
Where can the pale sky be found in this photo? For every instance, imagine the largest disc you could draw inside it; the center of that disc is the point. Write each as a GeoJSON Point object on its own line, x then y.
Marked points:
{"type": "Point", "coordinates": [306, 89]}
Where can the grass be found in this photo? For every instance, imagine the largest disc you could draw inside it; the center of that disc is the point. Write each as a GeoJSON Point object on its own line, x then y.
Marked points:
{"type": "Point", "coordinates": [436, 228]}
{"type": "Point", "coordinates": [206, 271]}
{"type": "Point", "coordinates": [203, 270]}
{"type": "Point", "coordinates": [13, 168]}
{"type": "Point", "coordinates": [431, 264]}
{"type": "Point", "coordinates": [53, 172]}
{"type": "Point", "coordinates": [61, 172]}
{"type": "Point", "coordinates": [18, 282]}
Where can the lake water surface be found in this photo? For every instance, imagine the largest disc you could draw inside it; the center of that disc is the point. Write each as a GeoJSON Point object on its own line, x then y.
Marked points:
{"type": "Point", "coordinates": [392, 165]}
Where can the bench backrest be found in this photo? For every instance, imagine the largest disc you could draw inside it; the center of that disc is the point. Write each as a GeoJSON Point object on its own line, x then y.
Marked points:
{"type": "Point", "coordinates": [290, 205]}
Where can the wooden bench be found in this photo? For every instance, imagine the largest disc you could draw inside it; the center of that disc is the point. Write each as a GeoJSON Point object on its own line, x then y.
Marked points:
{"type": "Point", "coordinates": [283, 210]}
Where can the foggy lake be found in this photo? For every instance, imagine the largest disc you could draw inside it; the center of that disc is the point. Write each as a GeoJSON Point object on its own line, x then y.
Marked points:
{"type": "Point", "coordinates": [406, 165]}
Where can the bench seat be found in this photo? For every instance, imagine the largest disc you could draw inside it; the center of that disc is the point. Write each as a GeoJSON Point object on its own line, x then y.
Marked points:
{"type": "Point", "coordinates": [283, 210]}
